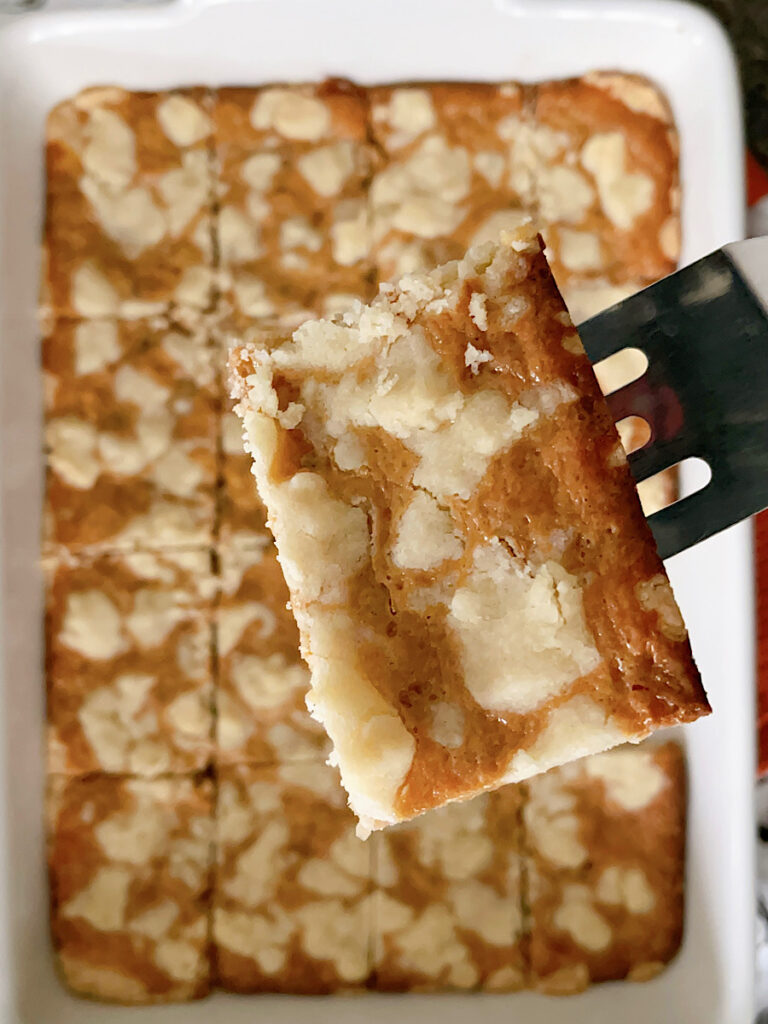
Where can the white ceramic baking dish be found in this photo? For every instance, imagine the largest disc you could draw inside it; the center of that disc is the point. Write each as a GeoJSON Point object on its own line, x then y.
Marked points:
{"type": "Point", "coordinates": [47, 56]}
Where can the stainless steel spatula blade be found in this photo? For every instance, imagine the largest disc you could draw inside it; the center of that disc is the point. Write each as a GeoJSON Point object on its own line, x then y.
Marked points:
{"type": "Point", "coordinates": [704, 331]}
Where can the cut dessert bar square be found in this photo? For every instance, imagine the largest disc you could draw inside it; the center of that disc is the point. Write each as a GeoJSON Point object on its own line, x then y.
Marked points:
{"type": "Point", "coordinates": [605, 851]}
{"type": "Point", "coordinates": [449, 177]}
{"type": "Point", "coordinates": [292, 227]}
{"type": "Point", "coordinates": [130, 874]}
{"type": "Point", "coordinates": [128, 663]}
{"type": "Point", "coordinates": [478, 593]}
{"type": "Point", "coordinates": [448, 898]}
{"type": "Point", "coordinates": [261, 714]}
{"type": "Point", "coordinates": [131, 422]}
{"type": "Point", "coordinates": [604, 158]}
{"type": "Point", "coordinates": [129, 218]}
{"type": "Point", "coordinates": [292, 900]}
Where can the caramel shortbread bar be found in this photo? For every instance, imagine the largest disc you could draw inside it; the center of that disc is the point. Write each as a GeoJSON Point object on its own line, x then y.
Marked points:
{"type": "Point", "coordinates": [603, 159]}
{"type": "Point", "coordinates": [447, 181]}
{"type": "Point", "coordinates": [292, 226]}
{"type": "Point", "coordinates": [129, 222]}
{"type": "Point", "coordinates": [605, 838]}
{"type": "Point", "coordinates": [262, 716]}
{"type": "Point", "coordinates": [448, 900]}
{"type": "Point", "coordinates": [131, 422]}
{"type": "Point", "coordinates": [478, 593]}
{"type": "Point", "coordinates": [130, 873]}
{"type": "Point", "coordinates": [292, 887]}
{"type": "Point", "coordinates": [128, 663]}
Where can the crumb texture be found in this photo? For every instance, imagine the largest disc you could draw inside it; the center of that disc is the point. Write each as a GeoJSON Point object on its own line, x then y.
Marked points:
{"type": "Point", "coordinates": [129, 212]}
{"type": "Point", "coordinates": [130, 869]}
{"type": "Point", "coordinates": [130, 435]}
{"type": "Point", "coordinates": [448, 910]}
{"type": "Point", "coordinates": [129, 664]}
{"type": "Point", "coordinates": [292, 910]}
{"type": "Point", "coordinates": [605, 852]}
{"type": "Point", "coordinates": [162, 889]}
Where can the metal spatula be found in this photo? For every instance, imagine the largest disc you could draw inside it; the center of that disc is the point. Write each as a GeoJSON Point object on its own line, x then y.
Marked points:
{"type": "Point", "coordinates": [704, 331]}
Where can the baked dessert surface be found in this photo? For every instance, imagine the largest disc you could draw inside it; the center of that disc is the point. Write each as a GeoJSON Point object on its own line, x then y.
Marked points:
{"type": "Point", "coordinates": [477, 589]}
{"type": "Point", "coordinates": [293, 225]}
{"type": "Point", "coordinates": [448, 910]}
{"type": "Point", "coordinates": [262, 683]}
{"type": "Point", "coordinates": [292, 899]}
{"type": "Point", "coordinates": [605, 854]}
{"type": "Point", "coordinates": [129, 666]}
{"type": "Point", "coordinates": [450, 176]}
{"type": "Point", "coordinates": [132, 414]}
{"type": "Point", "coordinates": [129, 223]}
{"type": "Point", "coordinates": [130, 871]}
{"type": "Point", "coordinates": [164, 888]}
{"type": "Point", "coordinates": [151, 512]}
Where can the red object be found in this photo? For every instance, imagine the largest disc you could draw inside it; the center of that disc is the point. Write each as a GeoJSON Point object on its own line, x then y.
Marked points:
{"type": "Point", "coordinates": [757, 189]}
{"type": "Point", "coordinates": [761, 568]}
{"type": "Point", "coordinates": [757, 181]}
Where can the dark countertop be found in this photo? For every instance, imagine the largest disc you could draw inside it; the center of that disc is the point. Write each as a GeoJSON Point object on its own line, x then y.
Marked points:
{"type": "Point", "coordinates": [747, 23]}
